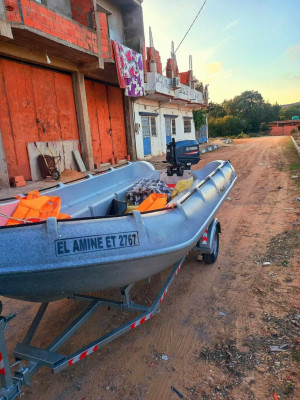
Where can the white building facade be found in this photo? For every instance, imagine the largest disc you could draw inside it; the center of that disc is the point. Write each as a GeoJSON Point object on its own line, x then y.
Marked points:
{"type": "Point", "coordinates": [166, 111]}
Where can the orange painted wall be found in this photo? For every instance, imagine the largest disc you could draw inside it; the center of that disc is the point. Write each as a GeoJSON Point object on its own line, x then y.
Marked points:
{"type": "Point", "coordinates": [106, 115]}
{"type": "Point", "coordinates": [282, 130]}
{"type": "Point", "coordinates": [116, 109]}
{"type": "Point", "coordinates": [35, 105]}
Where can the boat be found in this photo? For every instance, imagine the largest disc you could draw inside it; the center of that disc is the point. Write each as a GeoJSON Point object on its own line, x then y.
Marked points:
{"type": "Point", "coordinates": [53, 259]}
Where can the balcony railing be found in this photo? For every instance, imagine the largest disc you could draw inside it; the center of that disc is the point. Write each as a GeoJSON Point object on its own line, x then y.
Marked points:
{"type": "Point", "coordinates": [37, 19]}
{"type": "Point", "coordinates": [157, 83]}
{"type": "Point", "coordinates": [161, 85]}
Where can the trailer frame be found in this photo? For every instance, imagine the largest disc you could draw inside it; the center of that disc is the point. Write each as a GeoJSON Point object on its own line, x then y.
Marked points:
{"type": "Point", "coordinates": [36, 357]}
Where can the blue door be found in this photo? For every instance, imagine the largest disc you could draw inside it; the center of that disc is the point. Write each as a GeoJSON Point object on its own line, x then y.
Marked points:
{"type": "Point", "coordinates": [203, 134]}
{"type": "Point", "coordinates": [146, 136]}
{"type": "Point", "coordinates": [147, 145]}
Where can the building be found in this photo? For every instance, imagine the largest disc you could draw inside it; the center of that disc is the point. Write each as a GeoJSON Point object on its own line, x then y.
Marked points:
{"type": "Point", "coordinates": [166, 110]}
{"type": "Point", "coordinates": [284, 128]}
{"type": "Point", "coordinates": [59, 82]}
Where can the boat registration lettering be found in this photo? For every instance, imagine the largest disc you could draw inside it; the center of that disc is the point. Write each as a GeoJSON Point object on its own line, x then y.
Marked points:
{"type": "Point", "coordinates": [86, 244]}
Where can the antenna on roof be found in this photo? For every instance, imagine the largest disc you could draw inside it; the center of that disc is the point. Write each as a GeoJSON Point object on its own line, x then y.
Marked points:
{"type": "Point", "coordinates": [191, 63]}
{"type": "Point", "coordinates": [173, 56]}
{"type": "Point", "coordinates": [151, 37]}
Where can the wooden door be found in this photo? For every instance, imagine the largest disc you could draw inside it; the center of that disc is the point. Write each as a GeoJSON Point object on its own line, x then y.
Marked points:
{"type": "Point", "coordinates": [36, 104]}
{"type": "Point", "coordinates": [117, 121]}
{"type": "Point", "coordinates": [106, 115]}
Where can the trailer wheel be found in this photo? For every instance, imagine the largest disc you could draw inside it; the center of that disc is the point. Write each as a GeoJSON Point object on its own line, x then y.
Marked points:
{"type": "Point", "coordinates": [211, 258]}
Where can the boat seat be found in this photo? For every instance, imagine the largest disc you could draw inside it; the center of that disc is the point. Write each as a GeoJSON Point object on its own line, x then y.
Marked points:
{"type": "Point", "coordinates": [88, 208]}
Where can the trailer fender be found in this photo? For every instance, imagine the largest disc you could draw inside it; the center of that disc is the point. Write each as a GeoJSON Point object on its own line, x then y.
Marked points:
{"type": "Point", "coordinates": [205, 244]}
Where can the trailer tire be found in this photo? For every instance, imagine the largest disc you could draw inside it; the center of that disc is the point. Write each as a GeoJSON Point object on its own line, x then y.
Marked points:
{"type": "Point", "coordinates": [211, 258]}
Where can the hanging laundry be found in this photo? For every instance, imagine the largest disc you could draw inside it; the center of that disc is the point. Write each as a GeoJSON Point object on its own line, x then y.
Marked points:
{"type": "Point", "coordinates": [130, 70]}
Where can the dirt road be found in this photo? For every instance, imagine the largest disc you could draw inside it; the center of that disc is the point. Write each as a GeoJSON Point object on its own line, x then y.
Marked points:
{"type": "Point", "coordinates": [217, 322]}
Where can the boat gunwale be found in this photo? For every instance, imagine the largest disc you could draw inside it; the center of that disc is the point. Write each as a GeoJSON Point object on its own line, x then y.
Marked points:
{"type": "Point", "coordinates": [171, 249]}
{"type": "Point", "coordinates": [180, 201]}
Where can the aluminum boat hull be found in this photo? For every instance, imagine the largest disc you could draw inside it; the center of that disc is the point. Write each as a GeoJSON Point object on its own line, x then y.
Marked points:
{"type": "Point", "coordinates": [52, 260]}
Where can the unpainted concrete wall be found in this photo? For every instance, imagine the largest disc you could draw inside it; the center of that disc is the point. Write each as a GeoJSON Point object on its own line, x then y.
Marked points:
{"type": "Point", "coordinates": [133, 27]}
{"type": "Point", "coordinates": [61, 6]}
{"type": "Point", "coordinates": [115, 22]}
{"type": "Point", "coordinates": [159, 142]}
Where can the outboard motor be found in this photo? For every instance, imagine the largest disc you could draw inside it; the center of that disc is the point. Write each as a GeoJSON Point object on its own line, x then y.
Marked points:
{"type": "Point", "coordinates": [181, 156]}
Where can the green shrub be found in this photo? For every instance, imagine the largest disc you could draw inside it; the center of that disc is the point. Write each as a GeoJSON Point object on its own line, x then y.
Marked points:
{"type": "Point", "coordinates": [264, 128]}
{"type": "Point", "coordinates": [225, 126]}
{"type": "Point", "coordinates": [242, 135]}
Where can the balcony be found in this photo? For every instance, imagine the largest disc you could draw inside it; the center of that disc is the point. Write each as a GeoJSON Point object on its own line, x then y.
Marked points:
{"type": "Point", "coordinates": [122, 21]}
{"type": "Point", "coordinates": [160, 88]}
{"type": "Point", "coordinates": [36, 27]}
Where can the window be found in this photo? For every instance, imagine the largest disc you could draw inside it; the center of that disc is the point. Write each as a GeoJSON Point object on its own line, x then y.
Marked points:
{"type": "Point", "coordinates": [170, 124]}
{"type": "Point", "coordinates": [173, 126]}
{"type": "Point", "coordinates": [149, 126]}
{"type": "Point", "coordinates": [145, 126]}
{"type": "Point", "coordinates": [153, 126]}
{"type": "Point", "coordinates": [187, 125]}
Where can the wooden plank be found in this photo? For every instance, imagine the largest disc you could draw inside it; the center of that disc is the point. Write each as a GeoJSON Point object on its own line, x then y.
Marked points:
{"type": "Point", "coordinates": [83, 119]}
{"type": "Point", "coordinates": [129, 127]}
{"type": "Point", "coordinates": [62, 148]}
{"type": "Point", "coordinates": [79, 161]}
{"type": "Point", "coordinates": [5, 28]}
{"type": "Point", "coordinates": [68, 147]}
{"type": "Point", "coordinates": [4, 178]}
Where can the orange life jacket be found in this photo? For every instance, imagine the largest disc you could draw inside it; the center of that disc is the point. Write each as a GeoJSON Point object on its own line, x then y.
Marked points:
{"type": "Point", "coordinates": [36, 208]}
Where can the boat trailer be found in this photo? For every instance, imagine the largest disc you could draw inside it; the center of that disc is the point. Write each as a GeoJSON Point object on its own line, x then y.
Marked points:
{"type": "Point", "coordinates": [13, 377]}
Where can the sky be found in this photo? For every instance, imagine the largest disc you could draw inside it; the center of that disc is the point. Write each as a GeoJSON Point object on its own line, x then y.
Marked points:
{"type": "Point", "coordinates": [236, 45]}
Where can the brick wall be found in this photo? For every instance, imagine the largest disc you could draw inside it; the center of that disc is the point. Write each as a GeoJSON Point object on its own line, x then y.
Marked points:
{"type": "Point", "coordinates": [39, 17]}
{"type": "Point", "coordinates": [186, 78]}
{"type": "Point", "coordinates": [279, 130]}
{"type": "Point", "coordinates": [172, 69]}
{"type": "Point", "coordinates": [153, 54]}
{"type": "Point", "coordinates": [83, 12]}
{"type": "Point", "coordinates": [12, 11]}
{"type": "Point", "coordinates": [105, 40]}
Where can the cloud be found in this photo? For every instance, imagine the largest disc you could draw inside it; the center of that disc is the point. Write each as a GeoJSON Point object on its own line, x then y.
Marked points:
{"type": "Point", "coordinates": [294, 51]}
{"type": "Point", "coordinates": [291, 76]}
{"type": "Point", "coordinates": [230, 25]}
{"type": "Point", "coordinates": [214, 68]}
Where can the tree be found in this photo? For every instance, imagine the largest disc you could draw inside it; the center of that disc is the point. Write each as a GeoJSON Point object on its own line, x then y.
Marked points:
{"type": "Point", "coordinates": [243, 104]}
{"type": "Point", "coordinates": [251, 107]}
{"type": "Point", "coordinates": [247, 112]}
{"type": "Point", "coordinates": [289, 112]}
{"type": "Point", "coordinates": [215, 110]}
{"type": "Point", "coordinates": [199, 119]}
{"type": "Point", "coordinates": [226, 126]}
{"type": "Point", "coordinates": [198, 85]}
{"type": "Point", "coordinates": [271, 112]}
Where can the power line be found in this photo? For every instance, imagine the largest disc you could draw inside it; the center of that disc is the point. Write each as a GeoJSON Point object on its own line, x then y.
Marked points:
{"type": "Point", "coordinates": [187, 32]}
{"type": "Point", "coordinates": [195, 19]}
